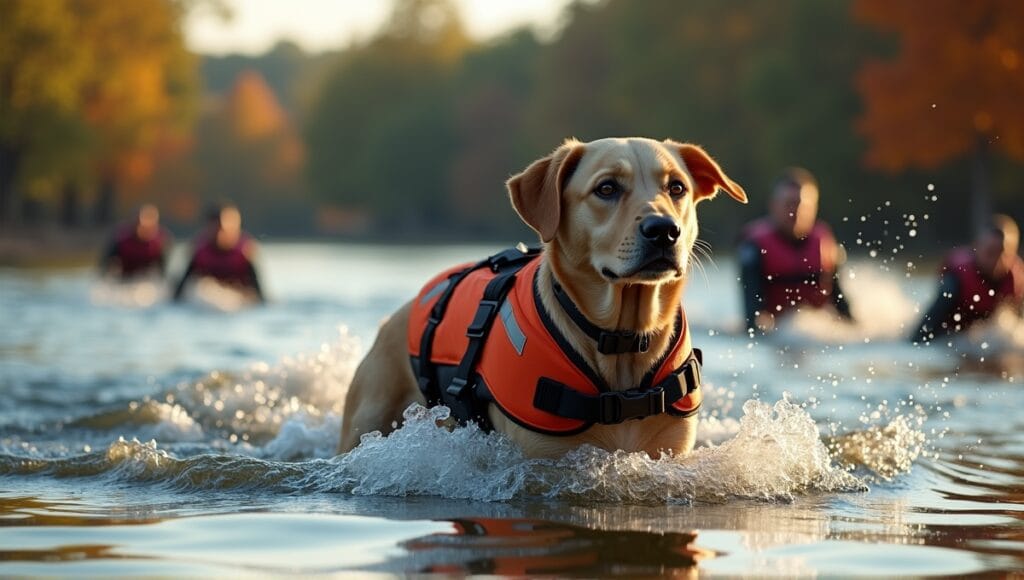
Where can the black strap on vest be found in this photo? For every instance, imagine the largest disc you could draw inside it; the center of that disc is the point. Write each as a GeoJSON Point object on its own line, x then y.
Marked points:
{"type": "Point", "coordinates": [608, 341]}
{"type": "Point", "coordinates": [427, 379]}
{"type": "Point", "coordinates": [463, 399]}
{"type": "Point", "coordinates": [615, 407]}
{"type": "Point", "coordinates": [509, 261]}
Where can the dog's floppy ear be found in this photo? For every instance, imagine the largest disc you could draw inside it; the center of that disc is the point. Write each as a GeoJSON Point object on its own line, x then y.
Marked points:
{"type": "Point", "coordinates": [708, 176]}
{"type": "Point", "coordinates": [537, 192]}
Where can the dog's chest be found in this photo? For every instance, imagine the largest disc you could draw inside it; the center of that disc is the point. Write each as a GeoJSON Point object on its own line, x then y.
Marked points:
{"type": "Point", "coordinates": [653, 434]}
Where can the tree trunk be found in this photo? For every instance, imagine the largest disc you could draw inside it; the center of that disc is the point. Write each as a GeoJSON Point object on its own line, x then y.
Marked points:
{"type": "Point", "coordinates": [981, 185]}
{"type": "Point", "coordinates": [8, 163]}
{"type": "Point", "coordinates": [104, 209]}
{"type": "Point", "coordinates": [69, 205]}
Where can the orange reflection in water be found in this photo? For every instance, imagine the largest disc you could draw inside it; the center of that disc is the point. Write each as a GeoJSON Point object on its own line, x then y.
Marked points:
{"type": "Point", "coordinates": [516, 547]}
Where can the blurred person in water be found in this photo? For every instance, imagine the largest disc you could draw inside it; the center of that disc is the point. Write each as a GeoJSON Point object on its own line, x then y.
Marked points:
{"type": "Point", "coordinates": [789, 259]}
{"type": "Point", "coordinates": [975, 281]}
{"type": "Point", "coordinates": [138, 248]}
{"type": "Point", "coordinates": [225, 253]}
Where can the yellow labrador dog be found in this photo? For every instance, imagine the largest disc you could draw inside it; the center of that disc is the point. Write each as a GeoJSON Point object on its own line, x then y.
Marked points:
{"type": "Point", "coordinates": [581, 342]}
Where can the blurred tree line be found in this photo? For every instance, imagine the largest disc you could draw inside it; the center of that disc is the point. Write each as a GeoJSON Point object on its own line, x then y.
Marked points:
{"type": "Point", "coordinates": [420, 127]}
{"type": "Point", "coordinates": [901, 110]}
{"type": "Point", "coordinates": [88, 88]}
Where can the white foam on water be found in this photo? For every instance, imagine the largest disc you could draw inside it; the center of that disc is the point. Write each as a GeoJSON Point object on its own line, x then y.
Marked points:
{"type": "Point", "coordinates": [147, 419]}
{"type": "Point", "coordinates": [776, 454]}
{"type": "Point", "coordinates": [256, 405]}
{"type": "Point", "coordinates": [141, 293]}
{"type": "Point", "coordinates": [135, 459]}
{"type": "Point", "coordinates": [210, 293]}
{"type": "Point", "coordinates": [878, 304]}
{"type": "Point", "coordinates": [887, 451]}
{"type": "Point", "coordinates": [275, 427]}
{"type": "Point", "coordinates": [172, 423]}
{"type": "Point", "coordinates": [303, 436]}
{"type": "Point", "coordinates": [1003, 332]}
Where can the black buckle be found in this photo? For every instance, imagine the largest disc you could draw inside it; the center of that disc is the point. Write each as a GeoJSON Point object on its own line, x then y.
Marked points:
{"type": "Point", "coordinates": [691, 375]}
{"type": "Point", "coordinates": [506, 257]}
{"type": "Point", "coordinates": [614, 408]}
{"type": "Point", "coordinates": [622, 342]}
{"type": "Point", "coordinates": [457, 387]}
{"type": "Point", "coordinates": [484, 314]}
{"type": "Point", "coordinates": [643, 343]}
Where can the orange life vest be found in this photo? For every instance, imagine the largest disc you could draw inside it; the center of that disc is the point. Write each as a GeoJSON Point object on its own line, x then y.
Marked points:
{"type": "Point", "coordinates": [519, 361]}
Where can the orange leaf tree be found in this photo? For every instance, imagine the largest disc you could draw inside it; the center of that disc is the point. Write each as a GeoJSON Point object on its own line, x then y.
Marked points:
{"type": "Point", "coordinates": [955, 86]}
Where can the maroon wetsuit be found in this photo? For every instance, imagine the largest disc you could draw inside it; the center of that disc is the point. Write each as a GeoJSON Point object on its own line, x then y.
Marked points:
{"type": "Point", "coordinates": [136, 256]}
{"type": "Point", "coordinates": [978, 297]}
{"type": "Point", "coordinates": [230, 266]}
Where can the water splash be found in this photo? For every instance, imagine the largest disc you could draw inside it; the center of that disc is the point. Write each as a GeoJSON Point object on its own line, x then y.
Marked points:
{"type": "Point", "coordinates": [885, 450]}
{"type": "Point", "coordinates": [209, 293]}
{"type": "Point", "coordinates": [290, 410]}
{"type": "Point", "coordinates": [776, 454]}
{"type": "Point", "coordinates": [1002, 333]}
{"type": "Point", "coordinates": [141, 293]}
{"type": "Point", "coordinates": [256, 405]}
{"type": "Point", "coordinates": [877, 302]}
{"type": "Point", "coordinates": [155, 420]}
{"type": "Point", "coordinates": [303, 435]}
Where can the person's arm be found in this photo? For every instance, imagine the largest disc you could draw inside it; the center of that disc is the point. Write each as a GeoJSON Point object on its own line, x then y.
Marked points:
{"type": "Point", "coordinates": [165, 248]}
{"type": "Point", "coordinates": [256, 282]}
{"type": "Point", "coordinates": [179, 289]}
{"type": "Point", "coordinates": [839, 300]}
{"type": "Point", "coordinates": [108, 258]}
{"type": "Point", "coordinates": [749, 256]}
{"type": "Point", "coordinates": [941, 310]}
{"type": "Point", "coordinates": [1017, 303]}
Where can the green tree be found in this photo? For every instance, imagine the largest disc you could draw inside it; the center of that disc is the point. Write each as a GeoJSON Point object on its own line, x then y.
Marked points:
{"type": "Point", "coordinates": [248, 151]}
{"type": "Point", "coordinates": [495, 84]}
{"type": "Point", "coordinates": [381, 133]}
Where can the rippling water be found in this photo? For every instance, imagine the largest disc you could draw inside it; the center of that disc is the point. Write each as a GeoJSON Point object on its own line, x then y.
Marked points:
{"type": "Point", "coordinates": [138, 437]}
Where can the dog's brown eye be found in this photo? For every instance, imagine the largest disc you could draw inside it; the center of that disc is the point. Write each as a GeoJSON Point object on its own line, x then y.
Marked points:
{"type": "Point", "coordinates": [607, 189]}
{"type": "Point", "coordinates": [676, 188]}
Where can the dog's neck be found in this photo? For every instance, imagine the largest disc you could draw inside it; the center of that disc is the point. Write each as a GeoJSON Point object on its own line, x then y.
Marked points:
{"type": "Point", "coordinates": [644, 308]}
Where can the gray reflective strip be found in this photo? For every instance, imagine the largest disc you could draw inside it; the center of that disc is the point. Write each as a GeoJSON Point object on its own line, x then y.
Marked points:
{"type": "Point", "coordinates": [515, 334]}
{"type": "Point", "coordinates": [435, 291]}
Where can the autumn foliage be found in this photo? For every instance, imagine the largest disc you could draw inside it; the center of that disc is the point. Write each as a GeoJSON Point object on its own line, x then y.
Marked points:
{"type": "Point", "coordinates": [957, 78]}
{"type": "Point", "coordinates": [88, 90]}
{"type": "Point", "coordinates": [412, 131]}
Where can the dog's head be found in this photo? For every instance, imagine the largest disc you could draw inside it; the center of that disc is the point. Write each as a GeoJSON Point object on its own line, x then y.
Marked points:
{"type": "Point", "coordinates": [623, 208]}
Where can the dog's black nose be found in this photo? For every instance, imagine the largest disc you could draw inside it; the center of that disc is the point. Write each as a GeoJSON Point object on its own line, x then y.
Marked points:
{"type": "Point", "coordinates": [659, 230]}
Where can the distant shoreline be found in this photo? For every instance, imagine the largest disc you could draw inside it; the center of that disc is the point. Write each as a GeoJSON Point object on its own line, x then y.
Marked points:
{"type": "Point", "coordinates": [26, 248]}
{"type": "Point", "coordinates": [45, 247]}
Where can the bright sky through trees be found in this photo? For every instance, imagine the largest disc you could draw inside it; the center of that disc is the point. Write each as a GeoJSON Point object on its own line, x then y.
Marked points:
{"type": "Point", "coordinates": [330, 24]}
